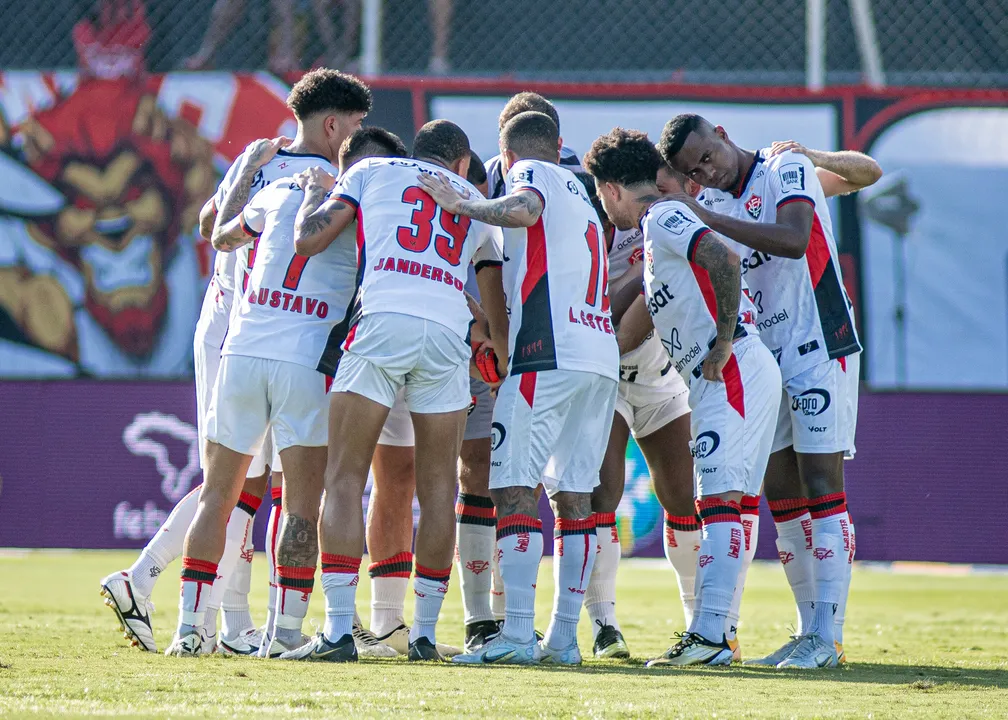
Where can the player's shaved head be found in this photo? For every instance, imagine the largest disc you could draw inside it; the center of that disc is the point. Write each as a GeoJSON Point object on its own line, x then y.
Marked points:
{"type": "Point", "coordinates": [625, 157]}
{"type": "Point", "coordinates": [532, 135]}
{"type": "Point", "coordinates": [370, 142]}
{"type": "Point", "coordinates": [477, 172]}
{"type": "Point", "coordinates": [526, 102]}
{"type": "Point", "coordinates": [328, 91]}
{"type": "Point", "coordinates": [676, 130]}
{"type": "Point", "coordinates": [442, 141]}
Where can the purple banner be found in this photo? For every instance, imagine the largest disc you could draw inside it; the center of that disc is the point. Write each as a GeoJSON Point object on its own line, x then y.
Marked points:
{"type": "Point", "coordinates": [89, 464]}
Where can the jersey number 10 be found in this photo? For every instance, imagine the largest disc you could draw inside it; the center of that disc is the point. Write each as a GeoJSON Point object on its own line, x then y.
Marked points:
{"type": "Point", "coordinates": [599, 262]}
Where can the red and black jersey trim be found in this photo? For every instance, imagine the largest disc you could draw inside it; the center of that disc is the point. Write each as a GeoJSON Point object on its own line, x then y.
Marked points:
{"type": "Point", "coordinates": [296, 578]}
{"type": "Point", "coordinates": [352, 202]}
{"type": "Point", "coordinates": [828, 505]}
{"type": "Point", "coordinates": [288, 153]}
{"type": "Point", "coordinates": [249, 503]}
{"type": "Point", "coordinates": [475, 510]}
{"type": "Point", "coordinates": [564, 527]}
{"type": "Point", "coordinates": [716, 510]}
{"type": "Point", "coordinates": [744, 180]}
{"type": "Point", "coordinates": [399, 565]}
{"type": "Point", "coordinates": [835, 319]}
{"type": "Point", "coordinates": [535, 346]}
{"type": "Point", "coordinates": [795, 198]}
{"type": "Point", "coordinates": [694, 241]}
{"type": "Point", "coordinates": [682, 523]}
{"type": "Point", "coordinates": [514, 524]}
{"type": "Point", "coordinates": [246, 229]}
{"type": "Point", "coordinates": [333, 563]}
{"type": "Point", "coordinates": [437, 575]}
{"type": "Point", "coordinates": [536, 190]}
{"type": "Point", "coordinates": [788, 509]}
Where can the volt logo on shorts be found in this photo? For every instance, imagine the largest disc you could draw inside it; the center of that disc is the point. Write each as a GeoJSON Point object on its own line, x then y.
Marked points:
{"type": "Point", "coordinates": [705, 444]}
{"type": "Point", "coordinates": [811, 402]}
{"type": "Point", "coordinates": [497, 435]}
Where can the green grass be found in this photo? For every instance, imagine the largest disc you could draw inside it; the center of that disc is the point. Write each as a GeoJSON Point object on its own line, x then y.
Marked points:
{"type": "Point", "coordinates": [923, 646]}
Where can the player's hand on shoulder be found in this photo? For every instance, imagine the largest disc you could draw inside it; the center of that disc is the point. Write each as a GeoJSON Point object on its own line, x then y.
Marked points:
{"type": "Point", "coordinates": [315, 175]}
{"type": "Point", "coordinates": [263, 150]}
{"type": "Point", "coordinates": [690, 202]}
{"type": "Point", "coordinates": [442, 191]}
{"type": "Point", "coordinates": [782, 146]}
{"type": "Point", "coordinates": [717, 358]}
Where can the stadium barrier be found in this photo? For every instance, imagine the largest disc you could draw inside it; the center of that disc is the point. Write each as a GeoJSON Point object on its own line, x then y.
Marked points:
{"type": "Point", "coordinates": [933, 318]}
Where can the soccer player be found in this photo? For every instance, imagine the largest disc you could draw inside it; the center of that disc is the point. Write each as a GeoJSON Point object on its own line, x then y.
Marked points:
{"type": "Point", "coordinates": [774, 209]}
{"type": "Point", "coordinates": [328, 106]}
{"type": "Point", "coordinates": [653, 403]}
{"type": "Point", "coordinates": [554, 409]}
{"type": "Point", "coordinates": [413, 319]}
{"type": "Point", "coordinates": [706, 322]}
{"type": "Point", "coordinates": [479, 571]}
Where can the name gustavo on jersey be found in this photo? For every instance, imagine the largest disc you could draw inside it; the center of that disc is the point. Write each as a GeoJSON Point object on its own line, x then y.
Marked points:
{"type": "Point", "coordinates": [288, 301]}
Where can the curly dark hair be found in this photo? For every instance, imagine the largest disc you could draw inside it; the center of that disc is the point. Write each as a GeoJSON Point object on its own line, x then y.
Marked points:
{"type": "Point", "coordinates": [325, 90]}
{"type": "Point", "coordinates": [371, 142]}
{"type": "Point", "coordinates": [477, 172]}
{"type": "Point", "coordinates": [440, 140]}
{"type": "Point", "coordinates": [525, 102]}
{"type": "Point", "coordinates": [627, 157]}
{"type": "Point", "coordinates": [675, 132]}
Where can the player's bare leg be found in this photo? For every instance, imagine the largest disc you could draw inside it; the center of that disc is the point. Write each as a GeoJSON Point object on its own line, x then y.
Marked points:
{"type": "Point", "coordinates": [273, 526]}
{"type": "Point", "coordinates": [600, 597]}
{"type": "Point", "coordinates": [475, 520]}
{"type": "Point", "coordinates": [789, 506]}
{"type": "Point", "coordinates": [389, 531]}
{"type": "Point", "coordinates": [822, 479]}
{"type": "Point", "coordinates": [204, 543]}
{"type": "Point", "coordinates": [355, 423]}
{"type": "Point", "coordinates": [438, 443]}
{"type": "Point", "coordinates": [297, 547]}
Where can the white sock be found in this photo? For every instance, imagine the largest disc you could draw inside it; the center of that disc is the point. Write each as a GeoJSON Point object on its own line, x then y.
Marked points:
{"type": "Point", "coordinates": [237, 618]}
{"type": "Point", "coordinates": [474, 527]}
{"type": "Point", "coordinates": [239, 528]}
{"type": "Point", "coordinates": [794, 548]}
{"type": "Point", "coordinates": [294, 588]}
{"type": "Point", "coordinates": [520, 546]}
{"type": "Point", "coordinates": [574, 550]}
{"type": "Point", "coordinates": [389, 579]}
{"type": "Point", "coordinates": [681, 543]}
{"type": "Point", "coordinates": [830, 552]}
{"type": "Point", "coordinates": [721, 549]}
{"type": "Point", "coordinates": [210, 621]}
{"type": "Point", "coordinates": [166, 545]}
{"type": "Point", "coordinates": [750, 530]}
{"type": "Point", "coordinates": [340, 575]}
{"type": "Point", "coordinates": [273, 525]}
{"type": "Point", "coordinates": [429, 588]}
{"type": "Point", "coordinates": [600, 598]}
{"type": "Point", "coordinates": [496, 586]}
{"type": "Point", "coordinates": [841, 611]}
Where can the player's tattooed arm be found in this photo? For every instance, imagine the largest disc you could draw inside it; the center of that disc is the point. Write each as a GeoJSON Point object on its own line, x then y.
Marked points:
{"type": "Point", "coordinates": [515, 501]}
{"type": "Point", "coordinates": [841, 172]}
{"type": "Point", "coordinates": [522, 208]}
{"type": "Point", "coordinates": [722, 266]}
{"type": "Point", "coordinates": [635, 326]}
{"type": "Point", "coordinates": [207, 218]}
{"type": "Point", "coordinates": [319, 221]}
{"type": "Point", "coordinates": [298, 544]}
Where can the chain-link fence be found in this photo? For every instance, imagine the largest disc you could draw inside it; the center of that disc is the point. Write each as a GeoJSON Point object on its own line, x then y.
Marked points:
{"type": "Point", "coordinates": [899, 42]}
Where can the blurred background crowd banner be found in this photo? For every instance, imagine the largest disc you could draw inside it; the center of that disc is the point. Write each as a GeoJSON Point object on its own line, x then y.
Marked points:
{"type": "Point", "coordinates": [118, 118]}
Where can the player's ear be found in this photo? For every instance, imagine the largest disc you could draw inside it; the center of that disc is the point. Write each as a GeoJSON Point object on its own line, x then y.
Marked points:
{"type": "Point", "coordinates": [721, 133]}
{"type": "Point", "coordinates": [692, 187]}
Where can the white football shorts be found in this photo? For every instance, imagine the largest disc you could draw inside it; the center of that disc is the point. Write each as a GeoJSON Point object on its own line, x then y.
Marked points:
{"type": "Point", "coordinates": [818, 409]}
{"type": "Point", "coordinates": [647, 408]}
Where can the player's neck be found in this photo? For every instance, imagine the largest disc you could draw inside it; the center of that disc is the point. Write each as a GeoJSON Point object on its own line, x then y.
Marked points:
{"type": "Point", "coordinates": [745, 159]}
{"type": "Point", "coordinates": [644, 198]}
{"type": "Point", "coordinates": [304, 145]}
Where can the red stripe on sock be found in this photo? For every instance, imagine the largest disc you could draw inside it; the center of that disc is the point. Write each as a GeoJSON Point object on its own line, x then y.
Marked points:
{"type": "Point", "coordinates": [749, 505]}
{"type": "Point", "coordinates": [251, 500]}
{"type": "Point", "coordinates": [475, 511]}
{"type": "Point", "coordinates": [386, 567]}
{"type": "Point", "coordinates": [189, 563]}
{"type": "Point", "coordinates": [716, 510]}
{"type": "Point", "coordinates": [292, 572]}
{"type": "Point", "coordinates": [340, 563]}
{"type": "Point", "coordinates": [683, 523]}
{"type": "Point", "coordinates": [512, 520]}
{"type": "Point", "coordinates": [276, 493]}
{"type": "Point", "coordinates": [575, 526]}
{"type": "Point", "coordinates": [605, 519]}
{"type": "Point", "coordinates": [828, 505]}
{"type": "Point", "coordinates": [788, 508]}
{"type": "Point", "coordinates": [432, 574]}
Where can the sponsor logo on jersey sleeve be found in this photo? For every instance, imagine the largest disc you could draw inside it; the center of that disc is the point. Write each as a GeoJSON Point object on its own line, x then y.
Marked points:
{"type": "Point", "coordinates": [675, 221]}
{"type": "Point", "coordinates": [792, 177]}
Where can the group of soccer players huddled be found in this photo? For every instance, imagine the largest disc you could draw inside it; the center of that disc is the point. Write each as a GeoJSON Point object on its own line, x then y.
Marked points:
{"type": "Point", "coordinates": [475, 334]}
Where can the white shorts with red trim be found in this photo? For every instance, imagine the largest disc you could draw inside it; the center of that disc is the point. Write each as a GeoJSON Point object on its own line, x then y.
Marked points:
{"type": "Point", "coordinates": [206, 362]}
{"type": "Point", "coordinates": [385, 352]}
{"type": "Point", "coordinates": [551, 427]}
{"type": "Point", "coordinates": [252, 395]}
{"type": "Point", "coordinates": [732, 422]}
{"type": "Point", "coordinates": [818, 409]}
{"type": "Point", "coordinates": [398, 428]}
{"type": "Point", "coordinates": [647, 408]}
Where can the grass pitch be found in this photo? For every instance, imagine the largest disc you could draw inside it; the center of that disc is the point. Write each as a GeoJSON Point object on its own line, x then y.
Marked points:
{"type": "Point", "coordinates": [919, 645]}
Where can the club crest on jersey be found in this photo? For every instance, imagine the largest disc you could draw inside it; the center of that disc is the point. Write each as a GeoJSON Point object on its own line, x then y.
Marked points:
{"type": "Point", "coordinates": [675, 221]}
{"type": "Point", "coordinates": [792, 177]}
{"type": "Point", "coordinates": [754, 206]}
{"type": "Point", "coordinates": [636, 256]}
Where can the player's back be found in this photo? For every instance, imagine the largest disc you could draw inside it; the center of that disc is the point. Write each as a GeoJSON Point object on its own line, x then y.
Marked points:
{"type": "Point", "coordinates": [556, 278]}
{"type": "Point", "coordinates": [414, 256]}
{"type": "Point", "coordinates": [291, 303]}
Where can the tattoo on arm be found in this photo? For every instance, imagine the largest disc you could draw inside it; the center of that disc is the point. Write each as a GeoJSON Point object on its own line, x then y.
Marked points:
{"type": "Point", "coordinates": [228, 235]}
{"type": "Point", "coordinates": [520, 209]}
{"type": "Point", "coordinates": [722, 266]}
{"type": "Point", "coordinates": [313, 217]}
{"type": "Point", "coordinates": [298, 546]}
{"type": "Point", "coordinates": [515, 501]}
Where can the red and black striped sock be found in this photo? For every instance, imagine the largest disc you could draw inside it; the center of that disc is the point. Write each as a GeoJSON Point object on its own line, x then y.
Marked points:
{"type": "Point", "coordinates": [389, 578]}
{"type": "Point", "coordinates": [197, 578]}
{"type": "Point", "coordinates": [475, 510]}
{"type": "Point", "coordinates": [249, 503]}
{"type": "Point", "coordinates": [519, 545]}
{"type": "Point", "coordinates": [340, 576]}
{"type": "Point", "coordinates": [399, 565]}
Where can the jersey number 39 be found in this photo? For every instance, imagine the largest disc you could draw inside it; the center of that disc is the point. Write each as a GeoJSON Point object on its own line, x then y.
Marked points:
{"type": "Point", "coordinates": [416, 237]}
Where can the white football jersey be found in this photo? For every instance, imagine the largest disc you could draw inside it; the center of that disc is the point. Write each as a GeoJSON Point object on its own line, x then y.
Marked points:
{"type": "Point", "coordinates": [679, 293]}
{"type": "Point", "coordinates": [295, 308]}
{"type": "Point", "coordinates": [233, 267]}
{"type": "Point", "coordinates": [648, 363]}
{"type": "Point", "coordinates": [414, 256]}
{"type": "Point", "coordinates": [556, 278]}
{"type": "Point", "coordinates": [804, 315]}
